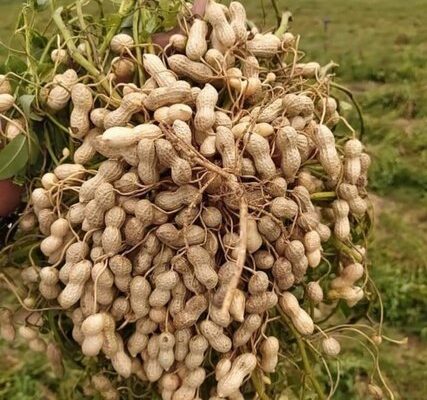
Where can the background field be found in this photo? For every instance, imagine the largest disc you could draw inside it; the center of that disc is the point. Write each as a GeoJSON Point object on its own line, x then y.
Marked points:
{"type": "Point", "coordinates": [381, 46]}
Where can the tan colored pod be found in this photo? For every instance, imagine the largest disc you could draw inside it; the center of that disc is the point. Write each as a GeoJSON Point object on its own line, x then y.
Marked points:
{"type": "Point", "coordinates": [307, 70]}
{"type": "Point", "coordinates": [238, 20]}
{"type": "Point", "coordinates": [224, 32]}
{"type": "Point", "coordinates": [282, 272]}
{"type": "Point", "coordinates": [168, 115]}
{"type": "Point", "coordinates": [184, 67]}
{"type": "Point", "coordinates": [92, 329]}
{"type": "Point", "coordinates": [60, 94]}
{"type": "Point", "coordinates": [331, 347]}
{"type": "Point", "coordinates": [341, 210]}
{"type": "Point", "coordinates": [295, 105]}
{"type": "Point", "coordinates": [81, 97]}
{"type": "Point", "coordinates": [349, 193]}
{"type": "Point", "coordinates": [180, 169]}
{"type": "Point", "coordinates": [245, 331]}
{"type": "Point", "coordinates": [6, 102]}
{"type": "Point", "coordinates": [166, 355]}
{"type": "Point", "coordinates": [178, 41]}
{"type": "Point", "coordinates": [269, 113]}
{"type": "Point", "coordinates": [313, 248]}
{"type": "Point", "coordinates": [254, 241]}
{"type": "Point", "coordinates": [197, 345]}
{"type": "Point", "coordinates": [196, 44]}
{"type": "Point", "coordinates": [121, 43]}
{"type": "Point", "coordinates": [78, 276]}
{"type": "Point", "coordinates": [86, 151]}
{"type": "Point", "coordinates": [300, 319]}
{"type": "Point", "coordinates": [14, 127]}
{"type": "Point", "coordinates": [5, 87]}
{"type": "Point", "coordinates": [264, 45]}
{"type": "Point", "coordinates": [72, 171]}
{"type": "Point", "coordinates": [193, 309]}
{"type": "Point", "coordinates": [179, 92]}
{"type": "Point", "coordinates": [237, 306]}
{"type": "Point", "coordinates": [215, 336]}
{"type": "Point", "coordinates": [269, 350]}
{"type": "Point", "coordinates": [140, 290]}
{"type": "Point", "coordinates": [328, 156]}
{"type": "Point", "coordinates": [286, 142]}
{"type": "Point", "coordinates": [157, 70]}
{"type": "Point", "coordinates": [212, 217]}
{"type": "Point", "coordinates": [269, 228]}
{"type": "Point", "coordinates": [283, 208]}
{"type": "Point", "coordinates": [148, 170]}
{"type": "Point", "coordinates": [348, 276]}
{"type": "Point", "coordinates": [122, 70]}
{"type": "Point", "coordinates": [182, 339]}
{"type": "Point", "coordinates": [203, 265]}
{"type": "Point", "coordinates": [205, 105]}
{"type": "Point", "coordinates": [259, 149]}
{"type": "Point", "coordinates": [48, 286]}
{"type": "Point", "coordinates": [131, 104]}
{"type": "Point", "coordinates": [314, 292]}
{"type": "Point", "coordinates": [192, 382]}
{"type": "Point", "coordinates": [242, 367]}
{"type": "Point", "coordinates": [172, 200]}
{"type": "Point", "coordinates": [97, 116]}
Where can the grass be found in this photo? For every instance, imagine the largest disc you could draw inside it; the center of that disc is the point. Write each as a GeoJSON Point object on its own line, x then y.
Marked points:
{"type": "Point", "coordinates": [381, 46]}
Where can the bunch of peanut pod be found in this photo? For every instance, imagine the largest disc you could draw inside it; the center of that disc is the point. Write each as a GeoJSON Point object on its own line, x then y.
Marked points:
{"type": "Point", "coordinates": [206, 226]}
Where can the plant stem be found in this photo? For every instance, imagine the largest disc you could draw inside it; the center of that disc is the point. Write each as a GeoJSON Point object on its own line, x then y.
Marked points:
{"type": "Point", "coordinates": [356, 104]}
{"type": "Point", "coordinates": [283, 27]}
{"type": "Point", "coordinates": [276, 11]}
{"type": "Point", "coordinates": [345, 249]}
{"type": "Point", "coordinates": [78, 57]}
{"type": "Point", "coordinates": [30, 61]}
{"type": "Point", "coordinates": [306, 363]}
{"type": "Point", "coordinates": [126, 7]}
{"type": "Point", "coordinates": [89, 45]}
{"type": "Point", "coordinates": [135, 31]}
{"type": "Point", "coordinates": [259, 386]}
{"type": "Point", "coordinates": [322, 196]}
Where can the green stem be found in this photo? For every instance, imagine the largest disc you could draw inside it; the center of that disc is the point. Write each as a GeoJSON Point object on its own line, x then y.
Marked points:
{"type": "Point", "coordinates": [30, 61]}
{"type": "Point", "coordinates": [323, 196]}
{"type": "Point", "coordinates": [259, 386]}
{"type": "Point", "coordinates": [345, 249]}
{"type": "Point", "coordinates": [89, 45]}
{"type": "Point", "coordinates": [276, 11]}
{"type": "Point", "coordinates": [57, 123]}
{"type": "Point", "coordinates": [78, 57]}
{"type": "Point", "coordinates": [306, 363]}
{"type": "Point", "coordinates": [46, 49]}
{"type": "Point", "coordinates": [356, 104]}
{"type": "Point", "coordinates": [136, 30]}
{"type": "Point", "coordinates": [126, 7]}
{"type": "Point", "coordinates": [284, 23]}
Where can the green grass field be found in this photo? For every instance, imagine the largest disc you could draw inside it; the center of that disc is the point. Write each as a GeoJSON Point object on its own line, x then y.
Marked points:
{"type": "Point", "coordinates": [381, 46]}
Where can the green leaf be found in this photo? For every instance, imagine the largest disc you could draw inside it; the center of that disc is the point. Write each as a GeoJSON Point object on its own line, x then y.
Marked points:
{"type": "Point", "coordinates": [164, 5]}
{"type": "Point", "coordinates": [26, 101]}
{"type": "Point", "coordinates": [13, 157]}
{"type": "Point", "coordinates": [38, 44]}
{"type": "Point", "coordinates": [34, 148]}
{"type": "Point", "coordinates": [112, 20]}
{"type": "Point", "coordinates": [15, 64]}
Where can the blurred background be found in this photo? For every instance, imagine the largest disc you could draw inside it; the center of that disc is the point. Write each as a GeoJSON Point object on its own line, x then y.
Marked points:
{"type": "Point", "coordinates": [381, 47]}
